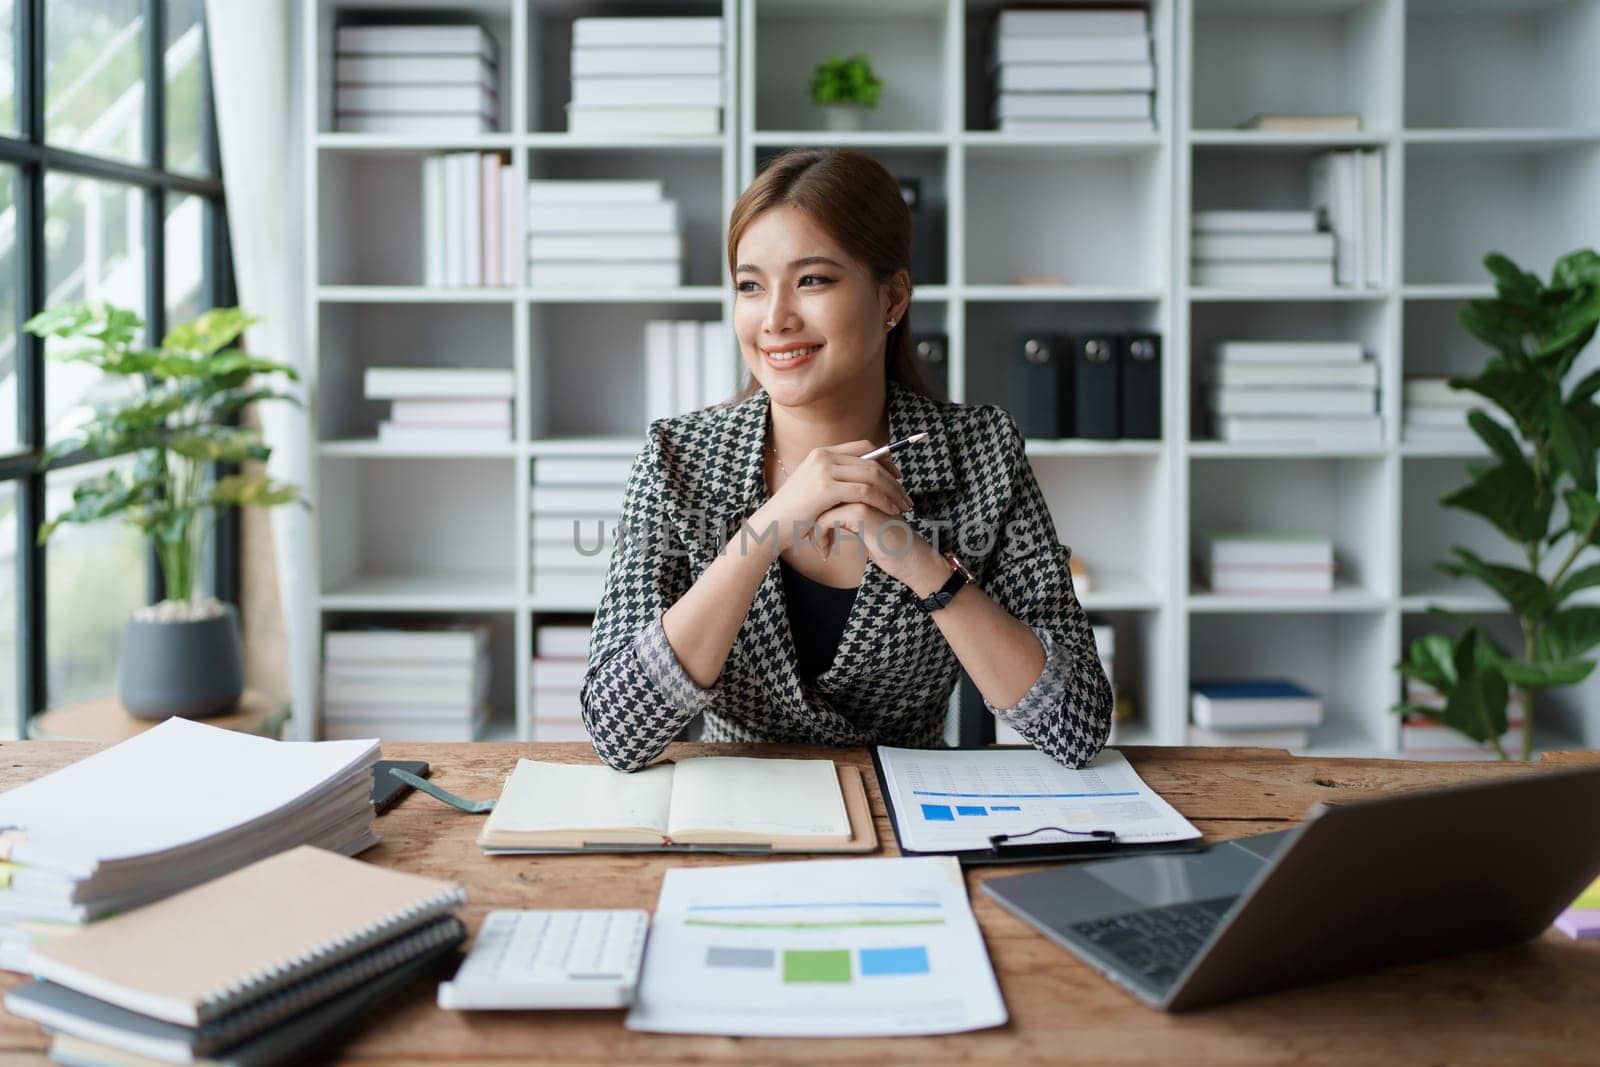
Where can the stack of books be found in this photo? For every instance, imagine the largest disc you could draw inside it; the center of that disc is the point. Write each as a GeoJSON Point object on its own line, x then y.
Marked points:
{"type": "Point", "coordinates": [468, 222]}
{"type": "Point", "coordinates": [593, 233]}
{"type": "Point", "coordinates": [688, 365]}
{"type": "Point", "coordinates": [1272, 713]}
{"type": "Point", "coordinates": [1314, 393]}
{"type": "Point", "coordinates": [1105, 643]}
{"type": "Point", "coordinates": [1347, 193]}
{"type": "Point", "coordinates": [576, 505]}
{"type": "Point", "coordinates": [406, 684]}
{"type": "Point", "coordinates": [1428, 739]}
{"type": "Point", "coordinates": [442, 407]}
{"type": "Point", "coordinates": [257, 966]}
{"type": "Point", "coordinates": [415, 79]}
{"type": "Point", "coordinates": [1436, 415]}
{"type": "Point", "coordinates": [1273, 249]}
{"type": "Point", "coordinates": [181, 803]}
{"type": "Point", "coordinates": [1265, 564]}
{"type": "Point", "coordinates": [650, 76]}
{"type": "Point", "coordinates": [1085, 71]}
{"type": "Point", "coordinates": [560, 658]}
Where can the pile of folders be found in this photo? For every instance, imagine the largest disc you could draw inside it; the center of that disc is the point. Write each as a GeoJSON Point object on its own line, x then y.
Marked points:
{"type": "Point", "coordinates": [1100, 385]}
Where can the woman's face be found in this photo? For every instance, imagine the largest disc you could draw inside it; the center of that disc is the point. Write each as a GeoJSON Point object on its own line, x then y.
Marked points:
{"type": "Point", "coordinates": [810, 319]}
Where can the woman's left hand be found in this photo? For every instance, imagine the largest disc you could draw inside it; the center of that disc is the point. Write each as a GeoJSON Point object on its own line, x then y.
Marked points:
{"type": "Point", "coordinates": [889, 541]}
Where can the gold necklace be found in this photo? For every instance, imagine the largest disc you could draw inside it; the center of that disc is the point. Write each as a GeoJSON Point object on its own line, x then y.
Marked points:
{"type": "Point", "coordinates": [781, 465]}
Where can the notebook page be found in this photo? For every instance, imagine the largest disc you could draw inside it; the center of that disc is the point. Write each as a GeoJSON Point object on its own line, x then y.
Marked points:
{"type": "Point", "coordinates": [764, 797]}
{"type": "Point", "coordinates": [556, 797]}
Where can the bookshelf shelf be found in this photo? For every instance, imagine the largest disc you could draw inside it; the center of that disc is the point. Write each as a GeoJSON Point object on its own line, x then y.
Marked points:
{"type": "Point", "coordinates": [1343, 599]}
{"type": "Point", "coordinates": [412, 294]}
{"type": "Point", "coordinates": [1288, 139]}
{"type": "Point", "coordinates": [456, 590]}
{"type": "Point", "coordinates": [1487, 145]}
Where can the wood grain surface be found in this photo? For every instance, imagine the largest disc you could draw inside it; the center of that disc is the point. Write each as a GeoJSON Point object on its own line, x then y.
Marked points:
{"type": "Point", "coordinates": [1535, 1003]}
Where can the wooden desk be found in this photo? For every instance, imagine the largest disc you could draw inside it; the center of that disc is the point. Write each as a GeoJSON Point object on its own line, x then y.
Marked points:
{"type": "Point", "coordinates": [1531, 1003]}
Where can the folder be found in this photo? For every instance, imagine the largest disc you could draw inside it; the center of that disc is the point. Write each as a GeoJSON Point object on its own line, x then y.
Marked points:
{"type": "Point", "coordinates": [1139, 355]}
{"type": "Point", "coordinates": [1037, 383]}
{"type": "Point", "coordinates": [1095, 379]}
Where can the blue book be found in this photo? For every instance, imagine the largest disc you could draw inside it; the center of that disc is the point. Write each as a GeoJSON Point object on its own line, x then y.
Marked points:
{"type": "Point", "coordinates": [1253, 703]}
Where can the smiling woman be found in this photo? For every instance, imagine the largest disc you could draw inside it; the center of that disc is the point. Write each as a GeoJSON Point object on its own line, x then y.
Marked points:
{"type": "Point", "coordinates": [775, 578]}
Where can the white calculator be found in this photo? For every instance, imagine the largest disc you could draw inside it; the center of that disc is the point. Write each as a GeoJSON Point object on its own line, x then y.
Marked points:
{"type": "Point", "coordinates": [551, 959]}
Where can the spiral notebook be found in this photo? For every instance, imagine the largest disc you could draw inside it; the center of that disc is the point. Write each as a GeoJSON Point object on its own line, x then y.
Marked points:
{"type": "Point", "coordinates": [218, 948]}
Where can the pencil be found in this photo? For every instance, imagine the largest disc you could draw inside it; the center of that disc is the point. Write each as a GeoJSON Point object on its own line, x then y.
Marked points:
{"type": "Point", "coordinates": [895, 446]}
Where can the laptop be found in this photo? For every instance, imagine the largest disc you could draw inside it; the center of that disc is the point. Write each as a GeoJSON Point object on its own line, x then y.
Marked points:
{"type": "Point", "coordinates": [1357, 886]}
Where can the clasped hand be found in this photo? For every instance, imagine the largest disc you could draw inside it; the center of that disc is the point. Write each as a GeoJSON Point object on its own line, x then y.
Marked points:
{"type": "Point", "coordinates": [835, 494]}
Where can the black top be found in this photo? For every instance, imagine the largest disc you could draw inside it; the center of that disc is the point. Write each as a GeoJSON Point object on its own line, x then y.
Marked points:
{"type": "Point", "coordinates": [817, 613]}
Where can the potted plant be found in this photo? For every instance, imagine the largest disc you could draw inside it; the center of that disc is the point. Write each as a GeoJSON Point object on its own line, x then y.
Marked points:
{"type": "Point", "coordinates": [843, 87]}
{"type": "Point", "coordinates": [1538, 489]}
{"type": "Point", "coordinates": [181, 656]}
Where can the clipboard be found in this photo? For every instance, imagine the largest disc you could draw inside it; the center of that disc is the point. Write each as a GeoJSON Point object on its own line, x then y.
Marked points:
{"type": "Point", "coordinates": [852, 787]}
{"type": "Point", "coordinates": [1054, 851]}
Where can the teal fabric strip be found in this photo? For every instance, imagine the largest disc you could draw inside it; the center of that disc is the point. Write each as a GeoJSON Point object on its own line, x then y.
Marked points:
{"type": "Point", "coordinates": [471, 807]}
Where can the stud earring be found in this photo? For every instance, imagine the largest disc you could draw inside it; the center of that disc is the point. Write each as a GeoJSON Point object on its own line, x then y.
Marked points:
{"type": "Point", "coordinates": [891, 323]}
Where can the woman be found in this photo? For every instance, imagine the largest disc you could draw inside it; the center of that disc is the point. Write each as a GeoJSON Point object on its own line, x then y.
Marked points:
{"type": "Point", "coordinates": [843, 641]}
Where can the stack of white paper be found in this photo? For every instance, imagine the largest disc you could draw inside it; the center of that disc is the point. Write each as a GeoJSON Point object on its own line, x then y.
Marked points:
{"type": "Point", "coordinates": [406, 684]}
{"type": "Point", "coordinates": [1085, 71]}
{"type": "Point", "coordinates": [437, 80]}
{"type": "Point", "coordinates": [598, 233]}
{"type": "Point", "coordinates": [442, 407]}
{"type": "Point", "coordinates": [820, 948]}
{"type": "Point", "coordinates": [178, 805]}
{"type": "Point", "coordinates": [575, 505]}
{"type": "Point", "coordinates": [653, 76]}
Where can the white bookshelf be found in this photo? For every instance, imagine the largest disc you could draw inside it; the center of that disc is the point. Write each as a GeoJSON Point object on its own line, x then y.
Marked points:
{"type": "Point", "coordinates": [1487, 143]}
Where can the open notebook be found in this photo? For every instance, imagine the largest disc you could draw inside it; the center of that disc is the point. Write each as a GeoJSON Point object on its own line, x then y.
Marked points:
{"type": "Point", "coordinates": [715, 802]}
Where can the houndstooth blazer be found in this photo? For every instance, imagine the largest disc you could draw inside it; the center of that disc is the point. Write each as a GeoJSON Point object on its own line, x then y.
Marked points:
{"type": "Point", "coordinates": [696, 481]}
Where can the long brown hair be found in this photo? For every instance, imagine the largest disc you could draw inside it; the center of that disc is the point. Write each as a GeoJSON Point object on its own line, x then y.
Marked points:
{"type": "Point", "coordinates": [857, 201]}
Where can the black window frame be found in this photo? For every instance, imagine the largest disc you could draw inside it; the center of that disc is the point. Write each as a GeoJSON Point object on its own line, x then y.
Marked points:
{"type": "Point", "coordinates": [31, 156]}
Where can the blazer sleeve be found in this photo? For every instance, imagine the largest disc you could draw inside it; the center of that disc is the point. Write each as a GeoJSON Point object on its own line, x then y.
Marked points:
{"type": "Point", "coordinates": [1067, 712]}
{"type": "Point", "coordinates": [636, 696]}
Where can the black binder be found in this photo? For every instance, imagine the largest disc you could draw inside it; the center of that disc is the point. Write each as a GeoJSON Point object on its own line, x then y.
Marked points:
{"type": "Point", "coordinates": [1140, 357]}
{"type": "Point", "coordinates": [927, 233]}
{"type": "Point", "coordinates": [932, 352]}
{"type": "Point", "coordinates": [1095, 376]}
{"type": "Point", "coordinates": [1038, 384]}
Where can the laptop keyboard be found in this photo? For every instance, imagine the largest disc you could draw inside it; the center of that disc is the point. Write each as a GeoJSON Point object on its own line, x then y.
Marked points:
{"type": "Point", "coordinates": [1157, 943]}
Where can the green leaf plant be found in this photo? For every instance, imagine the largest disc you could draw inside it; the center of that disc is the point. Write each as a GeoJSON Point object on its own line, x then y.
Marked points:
{"type": "Point", "coordinates": [841, 80]}
{"type": "Point", "coordinates": [174, 421]}
{"type": "Point", "coordinates": [1538, 489]}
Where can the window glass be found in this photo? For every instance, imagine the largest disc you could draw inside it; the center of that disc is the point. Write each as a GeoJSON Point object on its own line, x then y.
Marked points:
{"type": "Point", "coordinates": [9, 279]}
{"type": "Point", "coordinates": [185, 252]}
{"type": "Point", "coordinates": [94, 76]}
{"type": "Point", "coordinates": [8, 72]}
{"type": "Point", "coordinates": [8, 609]}
{"type": "Point", "coordinates": [184, 62]}
{"type": "Point", "coordinates": [95, 575]}
{"type": "Point", "coordinates": [94, 250]}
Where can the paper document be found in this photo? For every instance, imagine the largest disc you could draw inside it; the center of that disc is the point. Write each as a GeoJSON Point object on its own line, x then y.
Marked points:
{"type": "Point", "coordinates": [953, 801]}
{"type": "Point", "coordinates": [820, 948]}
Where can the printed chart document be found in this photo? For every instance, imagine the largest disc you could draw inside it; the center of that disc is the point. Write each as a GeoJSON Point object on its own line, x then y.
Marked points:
{"type": "Point", "coordinates": [953, 801]}
{"type": "Point", "coordinates": [819, 948]}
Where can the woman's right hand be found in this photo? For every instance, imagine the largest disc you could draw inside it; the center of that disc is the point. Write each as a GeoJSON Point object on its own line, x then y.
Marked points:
{"type": "Point", "coordinates": [826, 478]}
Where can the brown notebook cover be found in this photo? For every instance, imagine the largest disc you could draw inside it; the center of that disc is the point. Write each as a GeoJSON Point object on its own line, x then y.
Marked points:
{"type": "Point", "coordinates": [213, 948]}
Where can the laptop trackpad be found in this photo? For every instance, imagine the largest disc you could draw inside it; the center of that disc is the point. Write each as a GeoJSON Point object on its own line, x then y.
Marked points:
{"type": "Point", "coordinates": [1155, 881]}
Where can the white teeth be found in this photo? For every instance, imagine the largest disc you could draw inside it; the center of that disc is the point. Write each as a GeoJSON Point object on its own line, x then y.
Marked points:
{"type": "Point", "coordinates": [796, 354]}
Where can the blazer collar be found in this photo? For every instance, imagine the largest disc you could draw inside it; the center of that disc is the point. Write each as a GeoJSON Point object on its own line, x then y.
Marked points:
{"type": "Point", "coordinates": [926, 468]}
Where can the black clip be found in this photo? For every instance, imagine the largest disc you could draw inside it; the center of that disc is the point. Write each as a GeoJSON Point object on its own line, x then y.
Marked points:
{"type": "Point", "coordinates": [996, 840]}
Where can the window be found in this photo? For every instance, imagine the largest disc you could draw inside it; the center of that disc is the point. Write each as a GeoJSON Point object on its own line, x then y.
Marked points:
{"type": "Point", "coordinates": [107, 191]}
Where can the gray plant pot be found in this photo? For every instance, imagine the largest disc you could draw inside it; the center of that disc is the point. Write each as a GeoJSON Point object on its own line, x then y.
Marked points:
{"type": "Point", "coordinates": [189, 669]}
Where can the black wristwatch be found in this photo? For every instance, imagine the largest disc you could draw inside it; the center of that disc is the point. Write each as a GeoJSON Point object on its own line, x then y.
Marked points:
{"type": "Point", "coordinates": [959, 577]}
